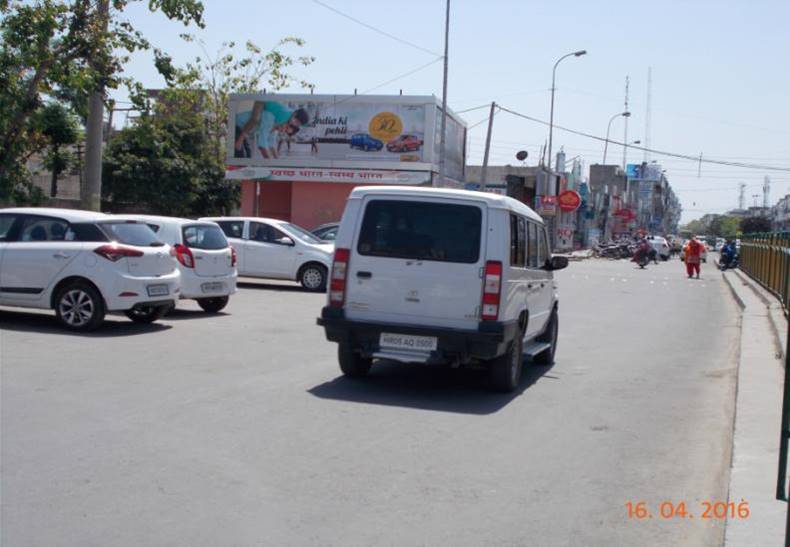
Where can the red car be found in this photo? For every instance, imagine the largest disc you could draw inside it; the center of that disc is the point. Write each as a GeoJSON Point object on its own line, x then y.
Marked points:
{"type": "Point", "coordinates": [404, 143]}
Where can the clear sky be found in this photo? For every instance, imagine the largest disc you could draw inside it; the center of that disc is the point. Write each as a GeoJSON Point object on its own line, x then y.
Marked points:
{"type": "Point", "coordinates": [721, 76]}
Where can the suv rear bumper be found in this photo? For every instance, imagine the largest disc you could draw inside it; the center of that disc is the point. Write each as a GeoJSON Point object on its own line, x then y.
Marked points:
{"type": "Point", "coordinates": [490, 340]}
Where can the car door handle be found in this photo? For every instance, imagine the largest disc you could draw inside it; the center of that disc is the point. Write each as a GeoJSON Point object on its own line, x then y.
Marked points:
{"type": "Point", "coordinates": [60, 254]}
{"type": "Point", "coordinates": [530, 285]}
{"type": "Point", "coordinates": [365, 275]}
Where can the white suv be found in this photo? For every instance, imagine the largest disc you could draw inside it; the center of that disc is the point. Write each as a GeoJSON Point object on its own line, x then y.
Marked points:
{"type": "Point", "coordinates": [278, 250]}
{"type": "Point", "coordinates": [442, 276]}
{"type": "Point", "coordinates": [83, 264]}
{"type": "Point", "coordinates": [205, 258]}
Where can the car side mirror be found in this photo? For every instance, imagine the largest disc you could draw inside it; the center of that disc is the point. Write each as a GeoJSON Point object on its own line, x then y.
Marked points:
{"type": "Point", "coordinates": [557, 263]}
{"type": "Point", "coordinates": [285, 240]}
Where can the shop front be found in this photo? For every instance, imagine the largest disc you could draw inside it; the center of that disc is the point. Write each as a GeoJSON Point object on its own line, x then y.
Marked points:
{"type": "Point", "coordinates": [297, 157]}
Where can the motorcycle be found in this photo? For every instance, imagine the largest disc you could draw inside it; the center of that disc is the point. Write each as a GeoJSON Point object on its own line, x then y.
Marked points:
{"type": "Point", "coordinates": [728, 264]}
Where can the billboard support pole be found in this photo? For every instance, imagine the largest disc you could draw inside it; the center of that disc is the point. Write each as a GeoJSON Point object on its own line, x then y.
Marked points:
{"type": "Point", "coordinates": [484, 170]}
{"type": "Point", "coordinates": [443, 135]}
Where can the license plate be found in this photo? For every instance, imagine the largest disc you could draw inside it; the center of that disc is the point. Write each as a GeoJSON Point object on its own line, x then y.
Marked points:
{"type": "Point", "coordinates": [158, 290]}
{"type": "Point", "coordinates": [407, 341]}
{"type": "Point", "coordinates": [213, 286]}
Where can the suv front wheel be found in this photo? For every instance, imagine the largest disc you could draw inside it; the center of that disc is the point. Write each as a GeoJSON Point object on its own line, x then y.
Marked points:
{"type": "Point", "coordinates": [79, 307]}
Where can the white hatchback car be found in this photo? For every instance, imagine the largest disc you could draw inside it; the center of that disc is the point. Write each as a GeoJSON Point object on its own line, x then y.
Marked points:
{"type": "Point", "coordinates": [426, 275]}
{"type": "Point", "coordinates": [660, 245]}
{"type": "Point", "coordinates": [277, 249]}
{"type": "Point", "coordinates": [83, 264]}
{"type": "Point", "coordinates": [206, 259]}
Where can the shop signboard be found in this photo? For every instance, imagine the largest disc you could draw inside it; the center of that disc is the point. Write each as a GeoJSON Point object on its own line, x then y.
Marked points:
{"type": "Point", "coordinates": [569, 201]}
{"type": "Point", "coordinates": [313, 174]}
{"type": "Point", "coordinates": [547, 206]}
{"type": "Point", "coordinates": [644, 171]}
{"type": "Point", "coordinates": [341, 131]}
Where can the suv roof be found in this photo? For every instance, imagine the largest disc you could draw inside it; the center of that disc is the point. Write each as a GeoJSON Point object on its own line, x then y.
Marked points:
{"type": "Point", "coordinates": [70, 215]}
{"type": "Point", "coordinates": [494, 201]}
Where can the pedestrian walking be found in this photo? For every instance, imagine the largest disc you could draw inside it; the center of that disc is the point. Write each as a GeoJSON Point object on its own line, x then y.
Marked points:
{"type": "Point", "coordinates": [693, 256]}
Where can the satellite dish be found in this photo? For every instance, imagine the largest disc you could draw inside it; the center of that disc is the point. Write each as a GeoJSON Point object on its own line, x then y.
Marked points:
{"type": "Point", "coordinates": [521, 155]}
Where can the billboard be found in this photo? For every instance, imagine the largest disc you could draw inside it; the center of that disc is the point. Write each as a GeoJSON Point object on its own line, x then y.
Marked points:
{"type": "Point", "coordinates": [339, 131]}
{"type": "Point", "coordinates": [644, 171]}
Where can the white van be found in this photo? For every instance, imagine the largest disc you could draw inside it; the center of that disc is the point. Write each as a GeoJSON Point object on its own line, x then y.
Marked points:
{"type": "Point", "coordinates": [432, 275]}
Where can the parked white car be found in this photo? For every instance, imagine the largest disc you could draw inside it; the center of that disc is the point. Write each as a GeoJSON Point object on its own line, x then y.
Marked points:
{"type": "Point", "coordinates": [84, 264]}
{"type": "Point", "coordinates": [205, 258]}
{"type": "Point", "coordinates": [431, 275]}
{"type": "Point", "coordinates": [276, 249]}
{"type": "Point", "coordinates": [660, 245]}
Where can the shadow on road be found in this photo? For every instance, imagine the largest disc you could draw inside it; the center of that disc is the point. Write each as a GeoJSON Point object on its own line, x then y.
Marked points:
{"type": "Point", "coordinates": [464, 391]}
{"type": "Point", "coordinates": [47, 324]}
{"type": "Point", "coordinates": [181, 315]}
{"type": "Point", "coordinates": [272, 287]}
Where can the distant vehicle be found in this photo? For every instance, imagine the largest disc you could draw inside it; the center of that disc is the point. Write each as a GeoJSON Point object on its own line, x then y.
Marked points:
{"type": "Point", "coordinates": [84, 264]}
{"type": "Point", "coordinates": [205, 258]}
{"type": "Point", "coordinates": [720, 241]}
{"type": "Point", "coordinates": [363, 141]}
{"type": "Point", "coordinates": [441, 276]}
{"type": "Point", "coordinates": [276, 249]}
{"type": "Point", "coordinates": [404, 143]}
{"type": "Point", "coordinates": [660, 245]}
{"type": "Point", "coordinates": [326, 232]}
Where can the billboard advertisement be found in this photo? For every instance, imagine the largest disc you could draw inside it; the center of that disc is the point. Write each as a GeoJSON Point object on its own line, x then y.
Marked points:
{"type": "Point", "coordinates": [644, 171]}
{"type": "Point", "coordinates": [340, 131]}
{"type": "Point", "coordinates": [455, 151]}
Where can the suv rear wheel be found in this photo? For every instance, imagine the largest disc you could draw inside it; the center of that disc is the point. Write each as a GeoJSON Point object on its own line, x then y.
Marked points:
{"type": "Point", "coordinates": [550, 335]}
{"type": "Point", "coordinates": [351, 363]}
{"type": "Point", "coordinates": [213, 305]}
{"type": "Point", "coordinates": [147, 314]}
{"type": "Point", "coordinates": [505, 370]}
{"type": "Point", "coordinates": [79, 307]}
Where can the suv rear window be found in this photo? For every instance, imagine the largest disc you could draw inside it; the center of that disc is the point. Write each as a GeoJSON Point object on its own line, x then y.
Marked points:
{"type": "Point", "coordinates": [421, 230]}
{"type": "Point", "coordinates": [131, 233]}
{"type": "Point", "coordinates": [204, 236]}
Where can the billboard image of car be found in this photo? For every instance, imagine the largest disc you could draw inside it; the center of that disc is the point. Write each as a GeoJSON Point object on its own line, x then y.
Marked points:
{"type": "Point", "coordinates": [363, 141]}
{"type": "Point", "coordinates": [404, 143]}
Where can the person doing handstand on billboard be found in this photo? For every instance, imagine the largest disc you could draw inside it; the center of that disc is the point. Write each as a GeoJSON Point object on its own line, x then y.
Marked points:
{"type": "Point", "coordinates": [266, 120]}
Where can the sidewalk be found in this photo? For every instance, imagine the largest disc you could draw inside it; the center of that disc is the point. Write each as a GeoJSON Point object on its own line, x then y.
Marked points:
{"type": "Point", "coordinates": [757, 416]}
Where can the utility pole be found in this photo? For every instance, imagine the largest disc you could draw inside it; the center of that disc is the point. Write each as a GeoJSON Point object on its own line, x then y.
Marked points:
{"type": "Point", "coordinates": [625, 135]}
{"type": "Point", "coordinates": [741, 197]}
{"type": "Point", "coordinates": [767, 192]}
{"type": "Point", "coordinates": [483, 171]}
{"type": "Point", "coordinates": [93, 138]}
{"type": "Point", "coordinates": [443, 135]}
{"type": "Point", "coordinates": [646, 156]}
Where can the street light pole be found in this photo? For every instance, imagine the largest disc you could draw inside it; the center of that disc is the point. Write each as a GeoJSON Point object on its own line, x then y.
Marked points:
{"type": "Point", "coordinates": [443, 135]}
{"type": "Point", "coordinates": [553, 80]}
{"type": "Point", "coordinates": [608, 128]}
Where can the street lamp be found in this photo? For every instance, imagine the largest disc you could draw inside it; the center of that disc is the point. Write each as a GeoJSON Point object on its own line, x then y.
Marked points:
{"type": "Point", "coordinates": [608, 127]}
{"type": "Point", "coordinates": [553, 78]}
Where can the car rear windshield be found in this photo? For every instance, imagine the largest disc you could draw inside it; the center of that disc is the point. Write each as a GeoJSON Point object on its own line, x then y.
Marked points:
{"type": "Point", "coordinates": [132, 233]}
{"type": "Point", "coordinates": [204, 236]}
{"type": "Point", "coordinates": [421, 230]}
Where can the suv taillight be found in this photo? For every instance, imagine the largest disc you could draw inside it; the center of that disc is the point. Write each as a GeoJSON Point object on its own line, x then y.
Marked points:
{"type": "Point", "coordinates": [233, 257]}
{"type": "Point", "coordinates": [184, 255]}
{"type": "Point", "coordinates": [114, 253]}
{"type": "Point", "coordinates": [337, 283]}
{"type": "Point", "coordinates": [492, 287]}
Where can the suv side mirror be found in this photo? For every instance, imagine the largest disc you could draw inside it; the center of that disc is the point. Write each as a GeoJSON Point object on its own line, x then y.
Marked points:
{"type": "Point", "coordinates": [285, 240]}
{"type": "Point", "coordinates": [557, 263]}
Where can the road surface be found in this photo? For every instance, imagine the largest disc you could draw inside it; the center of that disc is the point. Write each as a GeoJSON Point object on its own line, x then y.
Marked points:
{"type": "Point", "coordinates": [238, 429]}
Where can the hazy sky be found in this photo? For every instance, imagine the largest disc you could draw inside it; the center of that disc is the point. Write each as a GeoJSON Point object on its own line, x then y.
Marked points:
{"type": "Point", "coordinates": [720, 73]}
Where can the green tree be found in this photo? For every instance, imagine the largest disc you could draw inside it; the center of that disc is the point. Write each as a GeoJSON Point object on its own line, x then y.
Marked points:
{"type": "Point", "coordinates": [724, 226]}
{"type": "Point", "coordinates": [694, 227]}
{"type": "Point", "coordinates": [59, 129]}
{"type": "Point", "coordinates": [751, 225]}
{"type": "Point", "coordinates": [52, 48]}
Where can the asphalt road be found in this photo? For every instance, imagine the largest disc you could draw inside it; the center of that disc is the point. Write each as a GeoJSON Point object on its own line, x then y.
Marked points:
{"type": "Point", "coordinates": [237, 429]}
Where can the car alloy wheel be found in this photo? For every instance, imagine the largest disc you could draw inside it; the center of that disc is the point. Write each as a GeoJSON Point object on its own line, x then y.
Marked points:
{"type": "Point", "coordinates": [76, 307]}
{"type": "Point", "coordinates": [312, 278]}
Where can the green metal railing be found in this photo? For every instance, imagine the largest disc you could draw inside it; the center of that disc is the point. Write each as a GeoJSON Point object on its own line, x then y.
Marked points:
{"type": "Point", "coordinates": [766, 259]}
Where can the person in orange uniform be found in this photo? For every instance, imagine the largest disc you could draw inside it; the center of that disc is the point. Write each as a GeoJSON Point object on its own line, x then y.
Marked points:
{"type": "Point", "coordinates": [693, 256]}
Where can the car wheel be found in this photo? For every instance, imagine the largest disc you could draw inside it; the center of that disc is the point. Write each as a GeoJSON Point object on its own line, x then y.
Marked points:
{"type": "Point", "coordinates": [213, 305]}
{"type": "Point", "coordinates": [550, 335]}
{"type": "Point", "coordinates": [352, 364]}
{"type": "Point", "coordinates": [147, 314]}
{"type": "Point", "coordinates": [79, 307]}
{"type": "Point", "coordinates": [313, 278]}
{"type": "Point", "coordinates": [505, 370]}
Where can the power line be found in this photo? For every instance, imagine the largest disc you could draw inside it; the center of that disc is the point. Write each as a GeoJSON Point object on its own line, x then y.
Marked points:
{"type": "Point", "coordinates": [374, 29]}
{"type": "Point", "coordinates": [695, 159]}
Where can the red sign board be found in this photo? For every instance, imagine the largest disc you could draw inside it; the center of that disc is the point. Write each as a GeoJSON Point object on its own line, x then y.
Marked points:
{"type": "Point", "coordinates": [569, 201]}
{"type": "Point", "coordinates": [626, 214]}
